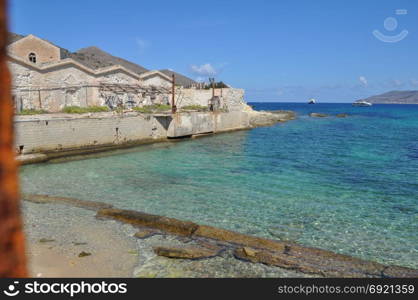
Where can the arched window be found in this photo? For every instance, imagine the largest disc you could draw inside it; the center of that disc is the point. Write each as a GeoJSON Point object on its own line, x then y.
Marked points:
{"type": "Point", "coordinates": [32, 57]}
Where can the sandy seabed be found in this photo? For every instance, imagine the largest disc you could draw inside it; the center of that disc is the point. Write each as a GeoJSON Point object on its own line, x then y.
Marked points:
{"type": "Point", "coordinates": [57, 234]}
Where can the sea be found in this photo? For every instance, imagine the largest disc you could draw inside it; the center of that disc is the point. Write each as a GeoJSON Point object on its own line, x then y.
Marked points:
{"type": "Point", "coordinates": [349, 185]}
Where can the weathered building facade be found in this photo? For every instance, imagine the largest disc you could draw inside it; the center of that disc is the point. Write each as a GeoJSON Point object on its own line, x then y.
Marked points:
{"type": "Point", "coordinates": [47, 77]}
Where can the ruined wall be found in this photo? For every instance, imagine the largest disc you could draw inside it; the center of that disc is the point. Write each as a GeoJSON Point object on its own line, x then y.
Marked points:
{"type": "Point", "coordinates": [44, 51]}
{"type": "Point", "coordinates": [70, 86]}
{"type": "Point", "coordinates": [156, 80]}
{"type": "Point", "coordinates": [114, 99]}
{"type": "Point", "coordinates": [50, 91]}
{"type": "Point", "coordinates": [231, 99]}
{"type": "Point", "coordinates": [43, 134]}
{"type": "Point", "coordinates": [65, 86]}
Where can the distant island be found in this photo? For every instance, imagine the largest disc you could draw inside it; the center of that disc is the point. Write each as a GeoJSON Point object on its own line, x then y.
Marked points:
{"type": "Point", "coordinates": [395, 97]}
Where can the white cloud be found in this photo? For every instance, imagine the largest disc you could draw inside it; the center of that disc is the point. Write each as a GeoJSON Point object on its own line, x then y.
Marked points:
{"type": "Point", "coordinates": [413, 82]}
{"type": "Point", "coordinates": [200, 79]}
{"type": "Point", "coordinates": [142, 45]}
{"type": "Point", "coordinates": [397, 83]}
{"type": "Point", "coordinates": [363, 81]}
{"type": "Point", "coordinates": [204, 70]}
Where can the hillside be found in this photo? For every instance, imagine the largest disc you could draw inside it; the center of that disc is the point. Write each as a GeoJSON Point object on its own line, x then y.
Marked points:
{"type": "Point", "coordinates": [395, 97]}
{"type": "Point", "coordinates": [95, 58]}
{"type": "Point", "coordinates": [180, 79]}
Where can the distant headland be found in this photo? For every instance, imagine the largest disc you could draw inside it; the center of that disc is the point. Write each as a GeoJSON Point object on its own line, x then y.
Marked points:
{"type": "Point", "coordinates": [395, 97]}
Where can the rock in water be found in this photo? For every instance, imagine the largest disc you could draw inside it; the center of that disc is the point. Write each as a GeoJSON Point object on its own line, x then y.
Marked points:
{"type": "Point", "coordinates": [162, 223]}
{"type": "Point", "coordinates": [83, 254]}
{"type": "Point", "coordinates": [318, 115]}
{"type": "Point", "coordinates": [144, 233]}
{"type": "Point", "coordinates": [79, 243]}
{"type": "Point", "coordinates": [43, 240]}
{"type": "Point", "coordinates": [266, 118]}
{"type": "Point", "coordinates": [341, 115]}
{"type": "Point", "coordinates": [187, 252]}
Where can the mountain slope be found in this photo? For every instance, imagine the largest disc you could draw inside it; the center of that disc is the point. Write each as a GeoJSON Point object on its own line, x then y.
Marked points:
{"type": "Point", "coordinates": [180, 79]}
{"type": "Point", "coordinates": [395, 97]}
{"type": "Point", "coordinates": [95, 58]}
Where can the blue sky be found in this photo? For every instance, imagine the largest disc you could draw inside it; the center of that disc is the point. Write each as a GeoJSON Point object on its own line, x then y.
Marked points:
{"type": "Point", "coordinates": [276, 50]}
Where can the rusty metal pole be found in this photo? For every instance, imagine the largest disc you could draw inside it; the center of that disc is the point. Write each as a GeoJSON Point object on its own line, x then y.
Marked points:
{"type": "Point", "coordinates": [39, 99]}
{"type": "Point", "coordinates": [173, 92]}
{"type": "Point", "coordinates": [12, 249]}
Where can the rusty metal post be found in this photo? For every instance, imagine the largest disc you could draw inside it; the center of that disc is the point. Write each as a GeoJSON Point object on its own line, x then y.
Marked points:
{"type": "Point", "coordinates": [213, 87]}
{"type": "Point", "coordinates": [173, 92]}
{"type": "Point", "coordinates": [39, 99]}
{"type": "Point", "coordinates": [12, 249]}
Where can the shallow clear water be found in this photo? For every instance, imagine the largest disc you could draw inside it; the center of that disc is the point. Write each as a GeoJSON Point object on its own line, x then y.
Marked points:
{"type": "Point", "coordinates": [349, 185]}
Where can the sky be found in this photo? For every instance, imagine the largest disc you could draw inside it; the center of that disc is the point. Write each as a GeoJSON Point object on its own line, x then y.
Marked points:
{"type": "Point", "coordinates": [278, 51]}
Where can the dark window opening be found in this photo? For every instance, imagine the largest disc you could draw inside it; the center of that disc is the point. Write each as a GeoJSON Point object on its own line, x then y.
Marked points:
{"type": "Point", "coordinates": [32, 57]}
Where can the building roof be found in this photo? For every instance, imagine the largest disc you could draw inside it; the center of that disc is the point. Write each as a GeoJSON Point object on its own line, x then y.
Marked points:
{"type": "Point", "coordinates": [180, 79]}
{"type": "Point", "coordinates": [94, 57]}
{"type": "Point", "coordinates": [74, 63]}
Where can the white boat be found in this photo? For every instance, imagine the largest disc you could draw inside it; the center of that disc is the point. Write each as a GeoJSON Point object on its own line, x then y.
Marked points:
{"type": "Point", "coordinates": [362, 103]}
{"type": "Point", "coordinates": [312, 101]}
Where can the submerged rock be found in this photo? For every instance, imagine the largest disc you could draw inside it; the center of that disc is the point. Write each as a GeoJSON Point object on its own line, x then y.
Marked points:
{"type": "Point", "coordinates": [237, 238]}
{"type": "Point", "coordinates": [266, 118]}
{"type": "Point", "coordinates": [43, 240]}
{"type": "Point", "coordinates": [186, 252]}
{"type": "Point", "coordinates": [318, 115]}
{"type": "Point", "coordinates": [333, 265]}
{"type": "Point", "coordinates": [224, 265]}
{"type": "Point", "coordinates": [341, 115]}
{"type": "Point", "coordinates": [165, 224]}
{"type": "Point", "coordinates": [84, 254]}
{"type": "Point", "coordinates": [144, 233]}
{"type": "Point", "coordinates": [79, 243]}
{"type": "Point", "coordinates": [274, 259]}
{"type": "Point", "coordinates": [291, 232]}
{"type": "Point", "coordinates": [41, 199]}
{"type": "Point", "coordinates": [399, 272]}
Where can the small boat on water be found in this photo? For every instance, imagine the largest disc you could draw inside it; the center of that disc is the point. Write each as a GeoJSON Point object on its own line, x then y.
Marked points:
{"type": "Point", "coordinates": [362, 103]}
{"type": "Point", "coordinates": [312, 101]}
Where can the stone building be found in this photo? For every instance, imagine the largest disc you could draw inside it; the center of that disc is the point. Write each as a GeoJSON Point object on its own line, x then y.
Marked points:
{"type": "Point", "coordinates": [48, 77]}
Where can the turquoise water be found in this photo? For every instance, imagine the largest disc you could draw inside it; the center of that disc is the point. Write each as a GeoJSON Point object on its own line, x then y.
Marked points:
{"type": "Point", "coordinates": [349, 185]}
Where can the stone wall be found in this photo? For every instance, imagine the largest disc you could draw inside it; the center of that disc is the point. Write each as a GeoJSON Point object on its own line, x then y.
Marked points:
{"type": "Point", "coordinates": [231, 99]}
{"type": "Point", "coordinates": [157, 80]}
{"type": "Point", "coordinates": [44, 133]}
{"type": "Point", "coordinates": [71, 85]}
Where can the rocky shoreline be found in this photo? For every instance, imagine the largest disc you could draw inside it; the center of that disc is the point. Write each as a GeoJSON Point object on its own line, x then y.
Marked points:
{"type": "Point", "coordinates": [174, 248]}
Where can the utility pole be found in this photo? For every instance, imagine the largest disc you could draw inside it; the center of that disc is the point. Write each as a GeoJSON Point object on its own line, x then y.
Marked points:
{"type": "Point", "coordinates": [173, 93]}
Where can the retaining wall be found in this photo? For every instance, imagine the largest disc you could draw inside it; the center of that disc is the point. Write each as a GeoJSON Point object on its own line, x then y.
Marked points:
{"type": "Point", "coordinates": [44, 133]}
